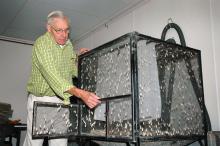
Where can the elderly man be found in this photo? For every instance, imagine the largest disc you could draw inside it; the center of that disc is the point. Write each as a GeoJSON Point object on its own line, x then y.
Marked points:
{"type": "Point", "coordinates": [53, 66]}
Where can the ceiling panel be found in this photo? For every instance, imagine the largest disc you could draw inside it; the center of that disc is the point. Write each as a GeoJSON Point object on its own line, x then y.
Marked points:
{"type": "Point", "coordinates": [26, 19]}
{"type": "Point", "coordinates": [8, 10]}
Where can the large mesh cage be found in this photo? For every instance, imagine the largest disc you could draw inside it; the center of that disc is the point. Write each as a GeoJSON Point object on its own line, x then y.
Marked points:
{"type": "Point", "coordinates": [54, 120]}
{"type": "Point", "coordinates": [151, 90]}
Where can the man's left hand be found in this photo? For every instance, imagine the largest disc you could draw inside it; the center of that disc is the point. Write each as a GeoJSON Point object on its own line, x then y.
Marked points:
{"type": "Point", "coordinates": [83, 50]}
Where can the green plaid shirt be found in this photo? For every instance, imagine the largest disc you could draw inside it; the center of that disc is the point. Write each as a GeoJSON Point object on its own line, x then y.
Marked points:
{"type": "Point", "coordinates": [53, 67]}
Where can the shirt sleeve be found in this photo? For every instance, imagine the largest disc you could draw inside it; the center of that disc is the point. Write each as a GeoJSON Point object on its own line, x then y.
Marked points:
{"type": "Point", "coordinates": [45, 63]}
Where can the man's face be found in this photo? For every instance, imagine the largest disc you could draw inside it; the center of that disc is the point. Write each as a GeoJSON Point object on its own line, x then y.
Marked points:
{"type": "Point", "coordinates": [59, 30]}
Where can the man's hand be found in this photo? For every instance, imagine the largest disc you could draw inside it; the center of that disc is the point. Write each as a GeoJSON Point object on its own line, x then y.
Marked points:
{"type": "Point", "coordinates": [83, 50]}
{"type": "Point", "coordinates": [89, 98]}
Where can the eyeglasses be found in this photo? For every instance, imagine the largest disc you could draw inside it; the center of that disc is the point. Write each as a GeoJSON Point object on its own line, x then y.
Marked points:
{"type": "Point", "coordinates": [59, 31]}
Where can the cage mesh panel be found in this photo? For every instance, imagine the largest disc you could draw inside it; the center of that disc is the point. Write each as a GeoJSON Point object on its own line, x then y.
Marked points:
{"type": "Point", "coordinates": [54, 120]}
{"type": "Point", "coordinates": [120, 118]}
{"type": "Point", "coordinates": [107, 73]}
{"type": "Point", "coordinates": [177, 74]}
{"type": "Point", "coordinates": [113, 73]}
{"type": "Point", "coordinates": [149, 90]}
{"type": "Point", "coordinates": [90, 126]}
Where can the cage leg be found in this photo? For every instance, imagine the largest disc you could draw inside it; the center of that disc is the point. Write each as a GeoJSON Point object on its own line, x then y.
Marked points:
{"type": "Point", "coordinates": [83, 142]}
{"type": "Point", "coordinates": [200, 142]}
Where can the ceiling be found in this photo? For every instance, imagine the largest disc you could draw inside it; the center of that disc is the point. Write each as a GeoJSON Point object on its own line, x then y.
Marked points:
{"type": "Point", "coordinates": [26, 19]}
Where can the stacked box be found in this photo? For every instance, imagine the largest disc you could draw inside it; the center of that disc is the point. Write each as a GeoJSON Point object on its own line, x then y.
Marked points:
{"type": "Point", "coordinates": [5, 112]}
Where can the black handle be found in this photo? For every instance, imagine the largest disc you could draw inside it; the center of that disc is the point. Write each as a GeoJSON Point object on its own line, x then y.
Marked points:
{"type": "Point", "coordinates": [178, 30]}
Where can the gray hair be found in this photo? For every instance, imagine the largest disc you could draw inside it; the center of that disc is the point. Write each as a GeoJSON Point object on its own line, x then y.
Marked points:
{"type": "Point", "coordinates": [56, 14]}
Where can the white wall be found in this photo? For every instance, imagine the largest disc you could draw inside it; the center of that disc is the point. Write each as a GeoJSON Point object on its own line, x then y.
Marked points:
{"type": "Point", "coordinates": [215, 11]}
{"type": "Point", "coordinates": [15, 65]}
{"type": "Point", "coordinates": [198, 21]}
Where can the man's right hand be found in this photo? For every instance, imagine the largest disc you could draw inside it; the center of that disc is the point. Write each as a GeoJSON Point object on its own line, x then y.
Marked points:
{"type": "Point", "coordinates": [89, 98]}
